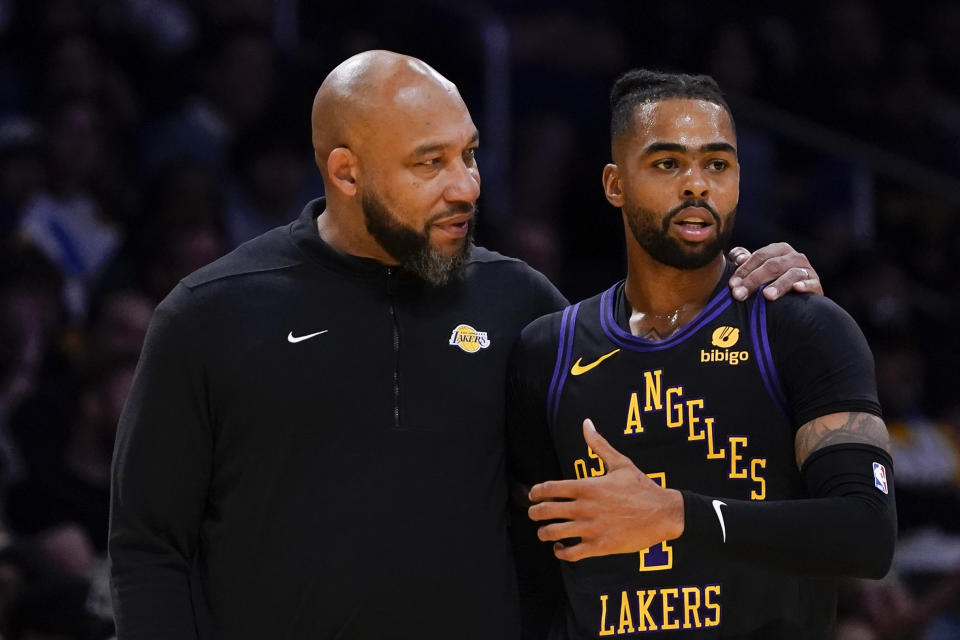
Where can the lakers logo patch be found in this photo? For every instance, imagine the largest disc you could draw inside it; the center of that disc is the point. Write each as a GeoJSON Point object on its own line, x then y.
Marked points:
{"type": "Point", "coordinates": [469, 339]}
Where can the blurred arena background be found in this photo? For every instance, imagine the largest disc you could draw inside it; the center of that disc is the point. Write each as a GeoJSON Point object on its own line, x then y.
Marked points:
{"type": "Point", "coordinates": [141, 139]}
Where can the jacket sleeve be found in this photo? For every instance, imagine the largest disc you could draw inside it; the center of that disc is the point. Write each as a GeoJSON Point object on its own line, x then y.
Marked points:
{"type": "Point", "coordinates": [160, 478]}
{"type": "Point", "coordinates": [532, 459]}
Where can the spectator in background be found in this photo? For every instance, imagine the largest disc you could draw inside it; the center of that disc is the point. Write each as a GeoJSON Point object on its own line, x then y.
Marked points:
{"type": "Point", "coordinates": [236, 84]}
{"type": "Point", "coordinates": [942, 37]}
{"type": "Point", "coordinates": [177, 252]}
{"type": "Point", "coordinates": [118, 326]}
{"type": "Point", "coordinates": [76, 488]}
{"type": "Point", "coordinates": [77, 70]}
{"type": "Point", "coordinates": [22, 171]}
{"type": "Point", "coordinates": [268, 182]}
{"type": "Point", "coordinates": [926, 452]}
{"type": "Point", "coordinates": [30, 322]}
{"type": "Point", "coordinates": [67, 220]}
{"type": "Point", "coordinates": [56, 610]}
{"type": "Point", "coordinates": [183, 196]}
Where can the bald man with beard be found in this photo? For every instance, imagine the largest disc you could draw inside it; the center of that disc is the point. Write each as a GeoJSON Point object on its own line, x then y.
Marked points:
{"type": "Point", "coordinates": [313, 446]}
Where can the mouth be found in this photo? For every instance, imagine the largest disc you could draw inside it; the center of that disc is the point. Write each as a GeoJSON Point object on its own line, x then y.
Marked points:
{"type": "Point", "coordinates": [454, 226]}
{"type": "Point", "coordinates": [694, 224]}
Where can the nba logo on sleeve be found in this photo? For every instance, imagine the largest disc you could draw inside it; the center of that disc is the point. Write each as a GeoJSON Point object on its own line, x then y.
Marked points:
{"type": "Point", "coordinates": [880, 477]}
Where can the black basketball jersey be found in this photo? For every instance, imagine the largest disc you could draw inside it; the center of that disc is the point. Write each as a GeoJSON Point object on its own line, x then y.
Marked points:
{"type": "Point", "coordinates": [705, 410]}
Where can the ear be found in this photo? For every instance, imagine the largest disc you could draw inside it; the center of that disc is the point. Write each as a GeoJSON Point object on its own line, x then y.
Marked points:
{"type": "Point", "coordinates": [611, 185]}
{"type": "Point", "coordinates": [342, 169]}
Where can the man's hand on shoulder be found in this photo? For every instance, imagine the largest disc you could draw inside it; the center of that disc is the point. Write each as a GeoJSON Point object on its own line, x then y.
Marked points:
{"type": "Point", "coordinates": [779, 264]}
{"type": "Point", "coordinates": [622, 511]}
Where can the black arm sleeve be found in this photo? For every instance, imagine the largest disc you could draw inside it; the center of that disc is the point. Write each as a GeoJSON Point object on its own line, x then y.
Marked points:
{"type": "Point", "coordinates": [847, 527]}
{"type": "Point", "coordinates": [847, 524]}
{"type": "Point", "coordinates": [160, 477]}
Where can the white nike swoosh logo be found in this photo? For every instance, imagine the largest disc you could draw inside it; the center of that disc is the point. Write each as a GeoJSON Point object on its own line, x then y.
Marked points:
{"type": "Point", "coordinates": [716, 507]}
{"type": "Point", "coordinates": [291, 339]}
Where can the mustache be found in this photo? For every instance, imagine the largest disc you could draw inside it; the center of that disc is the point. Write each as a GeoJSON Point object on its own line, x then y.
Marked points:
{"type": "Point", "coordinates": [456, 208]}
{"type": "Point", "coordinates": [673, 213]}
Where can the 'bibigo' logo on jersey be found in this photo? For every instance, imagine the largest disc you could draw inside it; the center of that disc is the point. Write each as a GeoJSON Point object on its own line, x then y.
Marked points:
{"type": "Point", "coordinates": [724, 338]}
{"type": "Point", "coordinates": [469, 339]}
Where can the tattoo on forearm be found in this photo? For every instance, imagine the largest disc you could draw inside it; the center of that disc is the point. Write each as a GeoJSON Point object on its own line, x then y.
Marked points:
{"type": "Point", "coordinates": [839, 428]}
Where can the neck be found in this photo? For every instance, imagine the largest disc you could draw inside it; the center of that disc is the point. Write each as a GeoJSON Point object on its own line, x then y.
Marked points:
{"type": "Point", "coordinates": [345, 230]}
{"type": "Point", "coordinates": [662, 298]}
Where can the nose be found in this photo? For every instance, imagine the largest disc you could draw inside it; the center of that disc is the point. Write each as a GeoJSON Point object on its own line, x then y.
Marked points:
{"type": "Point", "coordinates": [464, 183]}
{"type": "Point", "coordinates": [694, 183]}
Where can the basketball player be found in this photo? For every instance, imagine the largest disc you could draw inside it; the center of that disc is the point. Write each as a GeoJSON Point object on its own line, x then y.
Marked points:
{"type": "Point", "coordinates": [723, 461]}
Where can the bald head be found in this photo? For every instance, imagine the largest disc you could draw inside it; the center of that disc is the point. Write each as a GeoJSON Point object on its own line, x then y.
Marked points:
{"type": "Point", "coordinates": [395, 145]}
{"type": "Point", "coordinates": [369, 91]}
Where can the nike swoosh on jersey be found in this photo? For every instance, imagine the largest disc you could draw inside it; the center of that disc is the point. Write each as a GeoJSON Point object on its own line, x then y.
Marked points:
{"type": "Point", "coordinates": [293, 340]}
{"type": "Point", "coordinates": [716, 507]}
{"type": "Point", "coordinates": [579, 369]}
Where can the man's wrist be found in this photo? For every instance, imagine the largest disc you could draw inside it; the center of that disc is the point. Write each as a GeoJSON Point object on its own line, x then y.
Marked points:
{"type": "Point", "coordinates": [675, 515]}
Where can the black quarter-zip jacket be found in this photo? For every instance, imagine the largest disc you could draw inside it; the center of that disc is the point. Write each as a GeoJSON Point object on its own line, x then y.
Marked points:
{"type": "Point", "coordinates": [313, 447]}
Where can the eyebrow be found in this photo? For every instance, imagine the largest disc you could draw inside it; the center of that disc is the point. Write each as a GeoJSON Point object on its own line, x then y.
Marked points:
{"type": "Point", "coordinates": [711, 147]}
{"type": "Point", "coordinates": [431, 148]}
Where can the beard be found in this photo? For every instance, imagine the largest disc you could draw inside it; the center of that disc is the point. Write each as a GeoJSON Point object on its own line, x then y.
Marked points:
{"type": "Point", "coordinates": [679, 254]}
{"type": "Point", "coordinates": [410, 247]}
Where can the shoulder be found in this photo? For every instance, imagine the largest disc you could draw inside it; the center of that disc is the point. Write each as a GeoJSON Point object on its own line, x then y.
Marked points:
{"type": "Point", "coordinates": [822, 356]}
{"type": "Point", "coordinates": [482, 255]}
{"type": "Point", "coordinates": [544, 332]}
{"type": "Point", "coordinates": [483, 260]}
{"type": "Point", "coordinates": [514, 279]}
{"type": "Point", "coordinates": [535, 352]}
{"type": "Point", "coordinates": [810, 314]}
{"type": "Point", "coordinates": [268, 252]}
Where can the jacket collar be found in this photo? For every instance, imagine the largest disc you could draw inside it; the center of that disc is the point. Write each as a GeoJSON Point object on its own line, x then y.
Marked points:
{"type": "Point", "coordinates": [306, 237]}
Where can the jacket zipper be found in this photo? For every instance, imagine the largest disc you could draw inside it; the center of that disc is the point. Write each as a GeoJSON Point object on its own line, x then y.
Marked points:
{"type": "Point", "coordinates": [396, 350]}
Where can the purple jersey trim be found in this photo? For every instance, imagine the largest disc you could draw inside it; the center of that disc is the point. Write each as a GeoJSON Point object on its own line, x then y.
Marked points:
{"type": "Point", "coordinates": [564, 357]}
{"type": "Point", "coordinates": [764, 359]}
{"type": "Point", "coordinates": [561, 346]}
{"type": "Point", "coordinates": [627, 340]}
{"type": "Point", "coordinates": [768, 353]}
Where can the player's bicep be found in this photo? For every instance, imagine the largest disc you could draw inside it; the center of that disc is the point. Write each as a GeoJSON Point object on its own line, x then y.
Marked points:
{"type": "Point", "coordinates": [840, 428]}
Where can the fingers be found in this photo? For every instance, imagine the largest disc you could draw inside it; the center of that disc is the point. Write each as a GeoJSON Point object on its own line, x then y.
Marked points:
{"type": "Point", "coordinates": [800, 279]}
{"type": "Point", "coordinates": [612, 458]}
{"type": "Point", "coordinates": [552, 510]}
{"type": "Point", "coordinates": [767, 265]}
{"type": "Point", "coordinates": [555, 490]}
{"type": "Point", "coordinates": [575, 552]}
{"type": "Point", "coordinates": [760, 256]}
{"type": "Point", "coordinates": [738, 255]}
{"type": "Point", "coordinates": [562, 531]}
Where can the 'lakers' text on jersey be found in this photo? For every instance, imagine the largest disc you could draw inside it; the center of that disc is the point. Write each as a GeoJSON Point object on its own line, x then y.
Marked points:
{"type": "Point", "coordinates": [705, 410]}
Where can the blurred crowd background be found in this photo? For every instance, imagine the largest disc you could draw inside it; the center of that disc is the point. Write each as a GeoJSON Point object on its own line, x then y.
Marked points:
{"type": "Point", "coordinates": [141, 139]}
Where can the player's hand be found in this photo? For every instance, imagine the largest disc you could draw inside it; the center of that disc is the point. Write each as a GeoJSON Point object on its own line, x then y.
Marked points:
{"type": "Point", "coordinates": [779, 264]}
{"type": "Point", "coordinates": [622, 511]}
